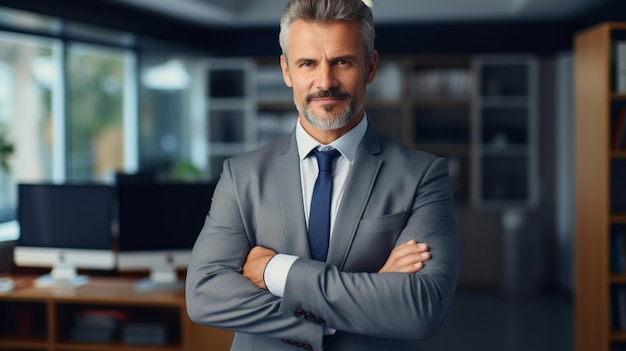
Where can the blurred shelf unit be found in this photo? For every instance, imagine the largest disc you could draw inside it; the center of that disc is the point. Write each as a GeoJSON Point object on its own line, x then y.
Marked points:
{"type": "Point", "coordinates": [477, 111]}
{"type": "Point", "coordinates": [600, 187]}
{"type": "Point", "coordinates": [224, 104]}
{"type": "Point", "coordinates": [439, 114]}
{"type": "Point", "coordinates": [439, 103]}
{"type": "Point", "coordinates": [276, 111]}
{"type": "Point", "coordinates": [504, 128]}
{"type": "Point", "coordinates": [106, 315]}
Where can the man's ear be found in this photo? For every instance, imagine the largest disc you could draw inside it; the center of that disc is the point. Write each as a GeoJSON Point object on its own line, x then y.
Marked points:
{"type": "Point", "coordinates": [285, 69]}
{"type": "Point", "coordinates": [372, 67]}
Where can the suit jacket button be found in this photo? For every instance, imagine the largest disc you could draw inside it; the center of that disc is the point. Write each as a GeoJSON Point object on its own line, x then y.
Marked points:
{"type": "Point", "coordinates": [299, 344]}
{"type": "Point", "coordinates": [289, 341]}
{"type": "Point", "coordinates": [310, 317]}
{"type": "Point", "coordinates": [304, 346]}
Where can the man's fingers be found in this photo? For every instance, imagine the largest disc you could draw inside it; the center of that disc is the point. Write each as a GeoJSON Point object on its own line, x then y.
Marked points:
{"type": "Point", "coordinates": [408, 257]}
{"type": "Point", "coordinates": [410, 248]}
{"type": "Point", "coordinates": [253, 268]}
{"type": "Point", "coordinates": [412, 258]}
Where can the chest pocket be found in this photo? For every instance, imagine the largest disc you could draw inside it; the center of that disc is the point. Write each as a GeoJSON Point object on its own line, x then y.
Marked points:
{"type": "Point", "coordinates": [374, 240]}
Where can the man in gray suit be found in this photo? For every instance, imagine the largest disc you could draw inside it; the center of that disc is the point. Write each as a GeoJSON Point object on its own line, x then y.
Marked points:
{"type": "Point", "coordinates": [391, 257]}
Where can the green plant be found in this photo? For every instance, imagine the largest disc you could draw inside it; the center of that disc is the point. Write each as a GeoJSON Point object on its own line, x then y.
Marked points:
{"type": "Point", "coordinates": [186, 171]}
{"type": "Point", "coordinates": [6, 150]}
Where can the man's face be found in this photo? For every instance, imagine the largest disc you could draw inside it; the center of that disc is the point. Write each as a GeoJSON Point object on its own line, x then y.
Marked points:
{"type": "Point", "coordinates": [327, 69]}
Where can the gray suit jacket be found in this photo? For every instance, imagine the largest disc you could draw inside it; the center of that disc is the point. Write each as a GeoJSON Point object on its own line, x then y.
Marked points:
{"type": "Point", "coordinates": [393, 194]}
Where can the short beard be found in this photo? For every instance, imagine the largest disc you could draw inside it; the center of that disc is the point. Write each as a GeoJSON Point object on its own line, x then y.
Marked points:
{"type": "Point", "coordinates": [337, 121]}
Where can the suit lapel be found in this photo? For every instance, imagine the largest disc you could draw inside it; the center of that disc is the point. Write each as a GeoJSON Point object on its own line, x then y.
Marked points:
{"type": "Point", "coordinates": [358, 189]}
{"type": "Point", "coordinates": [290, 199]}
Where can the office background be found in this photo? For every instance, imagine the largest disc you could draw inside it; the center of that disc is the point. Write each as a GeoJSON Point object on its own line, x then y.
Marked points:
{"type": "Point", "coordinates": [97, 74]}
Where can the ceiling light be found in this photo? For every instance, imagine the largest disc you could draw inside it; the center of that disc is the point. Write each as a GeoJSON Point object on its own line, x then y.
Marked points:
{"type": "Point", "coordinates": [369, 3]}
{"type": "Point", "coordinates": [171, 75]}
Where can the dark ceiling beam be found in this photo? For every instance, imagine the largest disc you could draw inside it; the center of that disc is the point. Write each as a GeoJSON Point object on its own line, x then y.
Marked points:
{"type": "Point", "coordinates": [539, 37]}
{"type": "Point", "coordinates": [123, 17]}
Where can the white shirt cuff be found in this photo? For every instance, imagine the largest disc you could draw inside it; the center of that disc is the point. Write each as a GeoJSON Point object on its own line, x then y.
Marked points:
{"type": "Point", "coordinates": [275, 275]}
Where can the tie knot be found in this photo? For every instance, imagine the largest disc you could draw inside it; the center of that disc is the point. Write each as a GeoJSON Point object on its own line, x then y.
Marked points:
{"type": "Point", "coordinates": [325, 159]}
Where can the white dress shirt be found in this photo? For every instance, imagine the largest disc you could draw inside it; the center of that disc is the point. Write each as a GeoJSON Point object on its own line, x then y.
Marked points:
{"type": "Point", "coordinates": [275, 275]}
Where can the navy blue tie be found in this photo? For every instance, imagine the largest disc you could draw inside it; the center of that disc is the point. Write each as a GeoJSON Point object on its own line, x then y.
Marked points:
{"type": "Point", "coordinates": [319, 216]}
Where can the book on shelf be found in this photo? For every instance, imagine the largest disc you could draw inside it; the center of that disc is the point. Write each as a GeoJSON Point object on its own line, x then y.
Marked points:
{"type": "Point", "coordinates": [441, 83]}
{"type": "Point", "coordinates": [619, 130]}
{"type": "Point", "coordinates": [617, 184]}
{"type": "Point", "coordinates": [145, 334]}
{"type": "Point", "coordinates": [95, 325]}
{"type": "Point", "coordinates": [618, 310]}
{"type": "Point", "coordinates": [618, 251]}
{"type": "Point", "coordinates": [388, 82]}
{"type": "Point", "coordinates": [620, 65]}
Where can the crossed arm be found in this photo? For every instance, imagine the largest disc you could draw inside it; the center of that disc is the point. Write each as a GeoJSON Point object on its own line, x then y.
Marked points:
{"type": "Point", "coordinates": [408, 257]}
{"type": "Point", "coordinates": [225, 283]}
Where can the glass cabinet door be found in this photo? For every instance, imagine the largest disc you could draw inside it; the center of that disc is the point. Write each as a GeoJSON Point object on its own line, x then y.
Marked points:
{"type": "Point", "coordinates": [505, 132]}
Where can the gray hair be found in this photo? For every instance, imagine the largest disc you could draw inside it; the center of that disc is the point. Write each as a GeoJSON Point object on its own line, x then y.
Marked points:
{"type": "Point", "coordinates": [327, 11]}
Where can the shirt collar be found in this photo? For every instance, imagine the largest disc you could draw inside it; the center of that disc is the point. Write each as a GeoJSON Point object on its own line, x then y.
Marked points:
{"type": "Point", "coordinates": [347, 144]}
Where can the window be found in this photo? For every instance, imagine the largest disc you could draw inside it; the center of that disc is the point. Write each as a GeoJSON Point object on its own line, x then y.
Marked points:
{"type": "Point", "coordinates": [167, 126]}
{"type": "Point", "coordinates": [96, 92]}
{"type": "Point", "coordinates": [69, 104]}
{"type": "Point", "coordinates": [29, 84]}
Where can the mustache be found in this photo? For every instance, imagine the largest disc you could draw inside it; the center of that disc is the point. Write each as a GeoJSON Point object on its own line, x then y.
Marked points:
{"type": "Point", "coordinates": [333, 93]}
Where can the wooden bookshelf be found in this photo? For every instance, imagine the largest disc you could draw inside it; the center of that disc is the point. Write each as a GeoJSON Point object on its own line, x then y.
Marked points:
{"type": "Point", "coordinates": [598, 169]}
{"type": "Point", "coordinates": [42, 318]}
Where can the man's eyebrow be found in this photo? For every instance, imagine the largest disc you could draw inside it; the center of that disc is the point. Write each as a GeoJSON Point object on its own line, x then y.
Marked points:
{"type": "Point", "coordinates": [302, 59]}
{"type": "Point", "coordinates": [349, 57]}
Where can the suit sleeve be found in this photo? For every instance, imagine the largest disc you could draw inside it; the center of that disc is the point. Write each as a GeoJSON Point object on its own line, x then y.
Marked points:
{"type": "Point", "coordinates": [217, 294]}
{"type": "Point", "coordinates": [391, 305]}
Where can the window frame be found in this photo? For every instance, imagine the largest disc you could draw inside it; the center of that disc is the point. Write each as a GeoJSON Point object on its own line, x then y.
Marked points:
{"type": "Point", "coordinates": [61, 32]}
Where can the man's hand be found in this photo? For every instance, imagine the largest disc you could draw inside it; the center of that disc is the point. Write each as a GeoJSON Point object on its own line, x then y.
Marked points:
{"type": "Point", "coordinates": [408, 257]}
{"type": "Point", "coordinates": [255, 264]}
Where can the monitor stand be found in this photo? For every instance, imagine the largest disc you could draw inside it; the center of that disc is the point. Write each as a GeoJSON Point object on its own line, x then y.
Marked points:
{"type": "Point", "coordinates": [62, 276]}
{"type": "Point", "coordinates": [161, 279]}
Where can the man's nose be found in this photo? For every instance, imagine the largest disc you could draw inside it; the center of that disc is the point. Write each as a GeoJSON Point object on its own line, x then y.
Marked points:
{"type": "Point", "coordinates": [326, 78]}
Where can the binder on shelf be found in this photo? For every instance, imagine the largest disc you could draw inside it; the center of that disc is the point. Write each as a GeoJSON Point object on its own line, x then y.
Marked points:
{"type": "Point", "coordinates": [144, 334]}
{"type": "Point", "coordinates": [617, 186]}
{"type": "Point", "coordinates": [619, 308]}
{"type": "Point", "coordinates": [618, 252]}
{"type": "Point", "coordinates": [620, 53]}
{"type": "Point", "coordinates": [619, 132]}
{"type": "Point", "coordinates": [441, 83]}
{"type": "Point", "coordinates": [99, 326]}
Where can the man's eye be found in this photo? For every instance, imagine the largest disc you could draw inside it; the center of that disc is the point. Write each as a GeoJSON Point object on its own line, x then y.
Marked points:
{"type": "Point", "coordinates": [343, 62]}
{"type": "Point", "coordinates": [307, 64]}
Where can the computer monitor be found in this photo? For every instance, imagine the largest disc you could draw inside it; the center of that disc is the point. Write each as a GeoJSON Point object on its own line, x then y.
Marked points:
{"type": "Point", "coordinates": [65, 227]}
{"type": "Point", "coordinates": [158, 224]}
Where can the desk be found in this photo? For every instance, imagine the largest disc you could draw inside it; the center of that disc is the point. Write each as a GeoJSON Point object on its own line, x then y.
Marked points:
{"type": "Point", "coordinates": [43, 318]}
